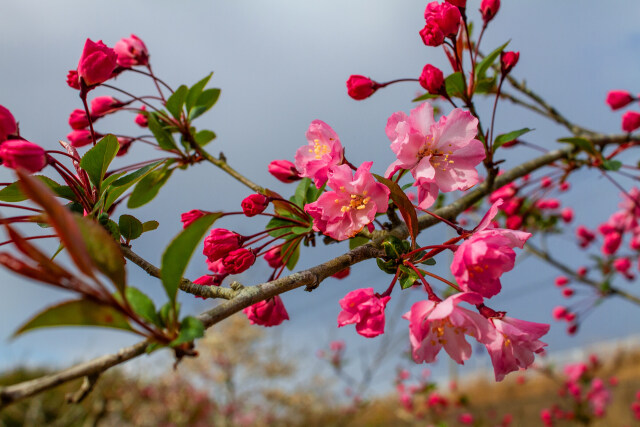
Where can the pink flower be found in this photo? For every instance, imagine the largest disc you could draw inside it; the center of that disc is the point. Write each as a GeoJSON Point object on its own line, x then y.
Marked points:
{"type": "Point", "coordinates": [206, 280]}
{"type": "Point", "coordinates": [508, 60]}
{"type": "Point", "coordinates": [567, 215]}
{"type": "Point", "coordinates": [323, 151]}
{"type": "Point", "coordinates": [141, 119]}
{"type": "Point", "coordinates": [18, 153]}
{"type": "Point", "coordinates": [433, 325]}
{"type": "Point", "coordinates": [446, 16]}
{"type": "Point", "coordinates": [72, 79]}
{"type": "Point", "coordinates": [78, 119]}
{"type": "Point", "coordinates": [514, 344]}
{"type": "Point", "coordinates": [102, 105]}
{"type": "Point", "coordinates": [216, 267]}
{"type": "Point", "coordinates": [599, 397]}
{"type": "Point", "coordinates": [561, 281]}
{"type": "Point", "coordinates": [254, 204]}
{"type": "Point", "coordinates": [459, 3]}
{"type": "Point", "coordinates": [274, 257]}
{"type": "Point", "coordinates": [567, 292]}
{"type": "Point", "coordinates": [432, 79]}
{"type": "Point", "coordinates": [125, 144]}
{"type": "Point", "coordinates": [270, 312]}
{"type": "Point", "coordinates": [356, 199]}
{"type": "Point", "coordinates": [489, 9]}
{"type": "Point", "coordinates": [81, 137]}
{"type": "Point", "coordinates": [131, 51]}
{"type": "Point", "coordinates": [284, 170]}
{"type": "Point", "coordinates": [559, 312]}
{"type": "Point", "coordinates": [366, 310]}
{"type": "Point", "coordinates": [361, 87]}
{"type": "Point", "coordinates": [220, 242]}
{"type": "Point", "coordinates": [466, 419]}
{"type": "Point", "coordinates": [585, 236]}
{"type": "Point", "coordinates": [97, 63]}
{"type": "Point", "coordinates": [431, 34]}
{"type": "Point", "coordinates": [8, 125]}
{"type": "Point", "coordinates": [611, 243]}
{"type": "Point", "coordinates": [442, 155]}
{"type": "Point", "coordinates": [630, 121]}
{"type": "Point", "coordinates": [239, 260]}
{"type": "Point", "coordinates": [548, 204]}
{"type": "Point", "coordinates": [188, 217]}
{"type": "Point", "coordinates": [617, 99]}
{"type": "Point", "coordinates": [575, 371]}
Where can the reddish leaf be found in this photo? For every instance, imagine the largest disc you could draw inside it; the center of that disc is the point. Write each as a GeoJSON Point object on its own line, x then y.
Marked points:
{"type": "Point", "coordinates": [278, 205]}
{"type": "Point", "coordinates": [404, 205]}
{"type": "Point", "coordinates": [24, 269]}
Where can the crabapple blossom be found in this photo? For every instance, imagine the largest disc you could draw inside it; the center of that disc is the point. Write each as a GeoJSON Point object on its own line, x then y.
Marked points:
{"type": "Point", "coordinates": [284, 171]}
{"type": "Point", "coordinates": [188, 217]}
{"type": "Point", "coordinates": [442, 155]}
{"type": "Point", "coordinates": [630, 121]}
{"type": "Point", "coordinates": [585, 236]}
{"type": "Point", "coordinates": [78, 119]}
{"type": "Point", "coordinates": [220, 242]}
{"type": "Point", "coordinates": [238, 260]}
{"type": "Point", "coordinates": [489, 9]}
{"type": "Point", "coordinates": [432, 79]}
{"type": "Point", "coordinates": [274, 257]}
{"type": "Point", "coordinates": [131, 51]}
{"type": "Point", "coordinates": [561, 281]}
{"type": "Point", "coordinates": [617, 99]}
{"type": "Point", "coordinates": [97, 63]}
{"type": "Point", "coordinates": [508, 60]}
{"type": "Point", "coordinates": [267, 313]}
{"type": "Point", "coordinates": [254, 204]}
{"type": "Point", "coordinates": [433, 325]}
{"type": "Point", "coordinates": [81, 137]}
{"type": "Point", "coordinates": [514, 345]}
{"type": "Point", "coordinates": [366, 310]}
{"type": "Point", "coordinates": [141, 119]}
{"type": "Point", "coordinates": [18, 153]}
{"type": "Point", "coordinates": [102, 105]}
{"type": "Point", "coordinates": [8, 125]}
{"type": "Point", "coordinates": [443, 20]}
{"type": "Point", "coordinates": [361, 87]}
{"type": "Point", "coordinates": [353, 203]}
{"type": "Point", "coordinates": [323, 151]}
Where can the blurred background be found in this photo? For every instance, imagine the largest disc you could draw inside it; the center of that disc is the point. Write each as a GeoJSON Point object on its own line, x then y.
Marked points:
{"type": "Point", "coordinates": [280, 65]}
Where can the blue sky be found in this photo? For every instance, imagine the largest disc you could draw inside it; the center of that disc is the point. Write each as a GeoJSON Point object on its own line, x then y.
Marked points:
{"type": "Point", "coordinates": [282, 64]}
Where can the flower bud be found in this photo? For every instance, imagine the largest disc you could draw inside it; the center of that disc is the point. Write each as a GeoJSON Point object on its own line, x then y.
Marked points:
{"type": "Point", "coordinates": [73, 79]}
{"type": "Point", "coordinates": [459, 3]}
{"type": "Point", "coordinates": [239, 260]}
{"type": "Point", "coordinates": [432, 79]}
{"type": "Point", "coordinates": [78, 119]}
{"type": "Point", "coordinates": [125, 144]}
{"type": "Point", "coordinates": [131, 51]}
{"type": "Point", "coordinates": [254, 204]}
{"type": "Point", "coordinates": [431, 34]}
{"type": "Point", "coordinates": [8, 125]}
{"type": "Point", "coordinates": [284, 170]}
{"type": "Point", "coordinates": [559, 312]}
{"type": "Point", "coordinates": [18, 153]}
{"type": "Point", "coordinates": [273, 257]}
{"type": "Point", "coordinates": [141, 119]}
{"type": "Point", "coordinates": [81, 137]}
{"type": "Point", "coordinates": [220, 242]}
{"type": "Point", "coordinates": [617, 99]}
{"type": "Point", "coordinates": [567, 215]}
{"type": "Point", "coordinates": [361, 87]}
{"type": "Point", "coordinates": [267, 313]}
{"type": "Point", "coordinates": [508, 60]}
{"type": "Point", "coordinates": [342, 273]}
{"type": "Point", "coordinates": [97, 63]}
{"type": "Point", "coordinates": [188, 217]}
{"type": "Point", "coordinates": [489, 9]}
{"type": "Point", "coordinates": [567, 292]}
{"type": "Point", "coordinates": [103, 105]}
{"type": "Point", "coordinates": [581, 271]}
{"type": "Point", "coordinates": [561, 281]}
{"type": "Point", "coordinates": [630, 121]}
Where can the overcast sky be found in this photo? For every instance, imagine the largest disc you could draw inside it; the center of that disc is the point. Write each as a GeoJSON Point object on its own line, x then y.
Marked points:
{"type": "Point", "coordinates": [280, 65]}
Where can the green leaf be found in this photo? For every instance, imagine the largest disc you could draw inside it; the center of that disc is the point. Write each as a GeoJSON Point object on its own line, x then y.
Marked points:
{"type": "Point", "coordinates": [454, 84]}
{"type": "Point", "coordinates": [176, 101]}
{"type": "Point", "coordinates": [112, 227]}
{"type": "Point", "coordinates": [12, 193]}
{"type": "Point", "coordinates": [292, 254]}
{"type": "Point", "coordinates": [388, 267]}
{"type": "Point", "coordinates": [179, 252]}
{"type": "Point", "coordinates": [429, 261]}
{"type": "Point", "coordinates": [483, 66]}
{"type": "Point", "coordinates": [190, 329]}
{"type": "Point", "coordinates": [204, 137]}
{"type": "Point", "coordinates": [149, 225]}
{"type": "Point", "coordinates": [582, 143]}
{"type": "Point", "coordinates": [103, 251]}
{"type": "Point", "coordinates": [148, 187]}
{"type": "Point", "coordinates": [130, 227]}
{"type": "Point", "coordinates": [354, 242]}
{"type": "Point", "coordinates": [142, 305]}
{"type": "Point", "coordinates": [122, 184]}
{"type": "Point", "coordinates": [76, 313]}
{"type": "Point", "coordinates": [205, 101]}
{"type": "Point", "coordinates": [611, 165]}
{"type": "Point", "coordinates": [407, 277]}
{"type": "Point", "coordinates": [163, 136]}
{"type": "Point", "coordinates": [195, 91]}
{"type": "Point", "coordinates": [393, 247]}
{"type": "Point", "coordinates": [485, 85]}
{"type": "Point", "coordinates": [404, 205]}
{"type": "Point", "coordinates": [96, 161]}
{"type": "Point", "coordinates": [508, 137]}
{"type": "Point", "coordinates": [424, 97]}
{"type": "Point", "coordinates": [277, 222]}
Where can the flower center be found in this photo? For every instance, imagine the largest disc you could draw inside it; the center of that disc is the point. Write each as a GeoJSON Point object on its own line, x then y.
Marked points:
{"type": "Point", "coordinates": [438, 159]}
{"type": "Point", "coordinates": [358, 202]}
{"type": "Point", "coordinates": [319, 149]}
{"type": "Point", "coordinates": [477, 269]}
{"type": "Point", "coordinates": [439, 328]}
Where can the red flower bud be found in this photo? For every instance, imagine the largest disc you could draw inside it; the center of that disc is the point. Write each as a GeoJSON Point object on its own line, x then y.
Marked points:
{"type": "Point", "coordinates": [125, 144]}
{"type": "Point", "coordinates": [131, 51]}
{"type": "Point", "coordinates": [567, 215]}
{"type": "Point", "coordinates": [508, 60]}
{"type": "Point", "coordinates": [561, 281]}
{"type": "Point", "coordinates": [73, 80]}
{"type": "Point", "coordinates": [267, 313]}
{"type": "Point", "coordinates": [81, 137]}
{"type": "Point", "coordinates": [630, 121]}
{"type": "Point", "coordinates": [432, 79]}
{"type": "Point", "coordinates": [254, 204]}
{"type": "Point", "coordinates": [18, 153]}
{"type": "Point", "coordinates": [8, 125]}
{"type": "Point", "coordinates": [489, 9]}
{"type": "Point", "coordinates": [446, 17]}
{"type": "Point", "coordinates": [78, 119]}
{"type": "Point", "coordinates": [188, 217]}
{"type": "Point", "coordinates": [274, 257]}
{"type": "Point", "coordinates": [431, 34]}
{"type": "Point", "coordinates": [239, 260]}
{"type": "Point", "coordinates": [141, 119]}
{"type": "Point", "coordinates": [567, 292]}
{"type": "Point", "coordinates": [103, 105]}
{"type": "Point", "coordinates": [361, 87]}
{"type": "Point", "coordinates": [342, 273]}
{"type": "Point", "coordinates": [284, 170]}
{"type": "Point", "coordinates": [459, 3]}
{"type": "Point", "coordinates": [220, 242]}
{"type": "Point", "coordinates": [618, 99]}
{"type": "Point", "coordinates": [97, 63]}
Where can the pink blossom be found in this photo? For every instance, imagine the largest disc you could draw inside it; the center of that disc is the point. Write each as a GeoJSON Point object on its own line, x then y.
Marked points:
{"type": "Point", "coordinates": [141, 118]}
{"type": "Point", "coordinates": [459, 3]}
{"type": "Point", "coordinates": [575, 371]}
{"type": "Point", "coordinates": [567, 215]}
{"type": "Point", "coordinates": [216, 266]}
{"type": "Point", "coordinates": [611, 243]}
{"type": "Point", "coordinates": [206, 280]}
{"type": "Point", "coordinates": [254, 204]}
{"type": "Point", "coordinates": [431, 34]}
{"type": "Point", "coordinates": [220, 242]}
{"type": "Point", "coordinates": [548, 204]}
{"type": "Point", "coordinates": [270, 312]}
{"type": "Point", "coordinates": [274, 257]}
{"type": "Point", "coordinates": [433, 325]}
{"type": "Point", "coordinates": [514, 222]}
{"type": "Point", "coordinates": [81, 137]}
{"type": "Point", "coordinates": [561, 281]}
{"type": "Point", "coordinates": [238, 260]}
{"type": "Point", "coordinates": [432, 79]}
{"type": "Point", "coordinates": [323, 151]}
{"type": "Point", "coordinates": [581, 271]}
{"type": "Point", "coordinates": [365, 309]}
{"type": "Point", "coordinates": [72, 79]}
{"type": "Point", "coordinates": [559, 312]}
{"type": "Point", "coordinates": [508, 60]}
{"type": "Point", "coordinates": [489, 9]}
{"type": "Point", "coordinates": [567, 292]}
{"type": "Point", "coordinates": [8, 125]}
{"type": "Point", "coordinates": [131, 51]}
{"type": "Point", "coordinates": [352, 204]}
{"type": "Point", "coordinates": [78, 119]}
{"type": "Point", "coordinates": [97, 63]}
{"type": "Point", "coordinates": [442, 155]}
{"type": "Point", "coordinates": [598, 396]}
{"type": "Point", "coordinates": [284, 170]}
{"type": "Point", "coordinates": [466, 419]}
{"type": "Point", "coordinates": [125, 144]}
{"type": "Point", "coordinates": [630, 121]}
{"type": "Point", "coordinates": [188, 217]}
{"type": "Point", "coordinates": [585, 236]}
{"type": "Point", "coordinates": [21, 154]}
{"type": "Point", "coordinates": [505, 192]}
{"type": "Point", "coordinates": [446, 16]}
{"type": "Point", "coordinates": [102, 105]}
{"type": "Point", "coordinates": [361, 87]}
{"type": "Point", "coordinates": [514, 344]}
{"type": "Point", "coordinates": [617, 99]}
